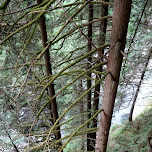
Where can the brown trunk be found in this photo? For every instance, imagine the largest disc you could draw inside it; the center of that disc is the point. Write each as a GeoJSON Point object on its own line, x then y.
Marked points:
{"type": "Point", "coordinates": [102, 35]}
{"type": "Point", "coordinates": [89, 74]}
{"type": "Point", "coordinates": [117, 43]}
{"type": "Point", "coordinates": [53, 104]}
{"type": "Point", "coordinates": [83, 116]}
{"type": "Point", "coordinates": [150, 145]}
{"type": "Point", "coordinates": [138, 87]}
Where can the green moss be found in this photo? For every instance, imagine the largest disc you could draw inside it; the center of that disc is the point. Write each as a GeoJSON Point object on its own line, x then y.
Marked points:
{"type": "Point", "coordinates": [132, 138]}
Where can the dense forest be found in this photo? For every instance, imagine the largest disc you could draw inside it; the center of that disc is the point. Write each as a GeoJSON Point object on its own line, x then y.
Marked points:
{"type": "Point", "coordinates": [67, 67]}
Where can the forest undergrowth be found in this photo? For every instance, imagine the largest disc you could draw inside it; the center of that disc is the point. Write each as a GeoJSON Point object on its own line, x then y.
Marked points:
{"type": "Point", "coordinates": [132, 137]}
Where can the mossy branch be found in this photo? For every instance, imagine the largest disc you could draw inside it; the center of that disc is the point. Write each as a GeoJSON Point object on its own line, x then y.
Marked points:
{"type": "Point", "coordinates": [79, 3]}
{"type": "Point", "coordinates": [69, 20]}
{"type": "Point", "coordinates": [30, 37]}
{"type": "Point", "coordinates": [72, 135]}
{"type": "Point", "coordinates": [75, 102]}
{"type": "Point", "coordinates": [68, 66]}
{"type": "Point", "coordinates": [66, 86]}
{"type": "Point", "coordinates": [38, 7]}
{"type": "Point", "coordinates": [80, 26]}
{"type": "Point", "coordinates": [3, 8]}
{"type": "Point", "coordinates": [83, 132]}
{"type": "Point", "coordinates": [65, 111]}
{"type": "Point", "coordinates": [83, 114]}
{"type": "Point", "coordinates": [4, 4]}
{"type": "Point", "coordinates": [30, 23]}
{"type": "Point", "coordinates": [79, 71]}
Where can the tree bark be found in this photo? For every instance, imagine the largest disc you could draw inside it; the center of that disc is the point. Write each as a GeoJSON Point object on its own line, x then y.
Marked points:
{"type": "Point", "coordinates": [90, 18]}
{"type": "Point", "coordinates": [53, 104]}
{"type": "Point", "coordinates": [102, 36]}
{"type": "Point", "coordinates": [117, 43]}
{"type": "Point", "coordinates": [139, 85]}
{"type": "Point", "coordinates": [82, 111]}
{"type": "Point", "coordinates": [150, 145]}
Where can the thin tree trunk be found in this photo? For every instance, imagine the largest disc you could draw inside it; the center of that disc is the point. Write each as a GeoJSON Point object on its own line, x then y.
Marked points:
{"type": "Point", "coordinates": [80, 89]}
{"type": "Point", "coordinates": [15, 147]}
{"type": "Point", "coordinates": [53, 104]}
{"type": "Point", "coordinates": [102, 36]}
{"type": "Point", "coordinates": [90, 18]}
{"type": "Point", "coordinates": [121, 16]}
{"type": "Point", "coordinates": [139, 85]}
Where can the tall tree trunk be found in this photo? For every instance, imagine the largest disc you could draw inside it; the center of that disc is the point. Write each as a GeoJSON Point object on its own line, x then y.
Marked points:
{"type": "Point", "coordinates": [121, 16]}
{"type": "Point", "coordinates": [53, 104]}
{"type": "Point", "coordinates": [102, 36]}
{"type": "Point", "coordinates": [138, 87]}
{"type": "Point", "coordinates": [90, 18]}
{"type": "Point", "coordinates": [82, 111]}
